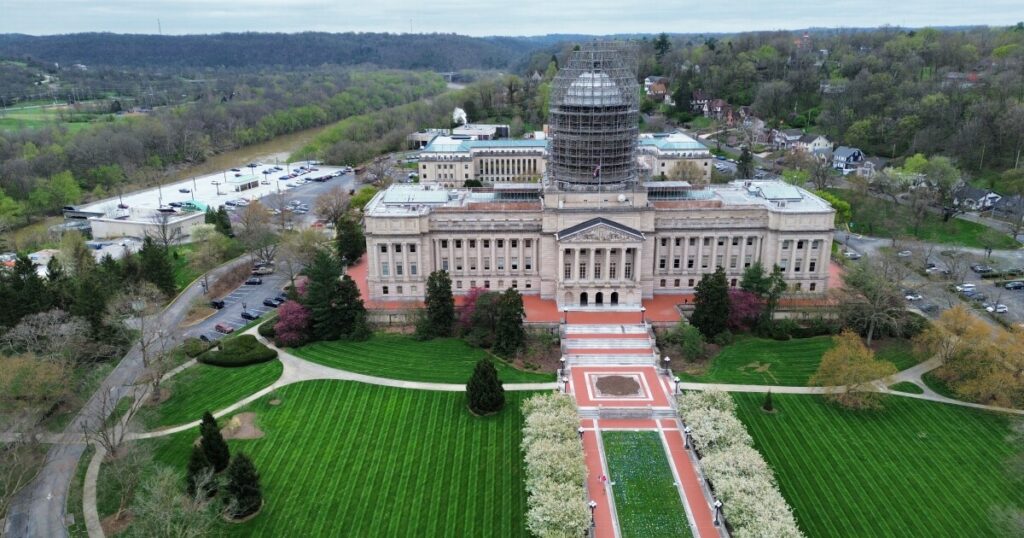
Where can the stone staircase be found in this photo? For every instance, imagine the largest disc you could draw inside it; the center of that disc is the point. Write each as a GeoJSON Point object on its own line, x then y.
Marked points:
{"type": "Point", "coordinates": [607, 344]}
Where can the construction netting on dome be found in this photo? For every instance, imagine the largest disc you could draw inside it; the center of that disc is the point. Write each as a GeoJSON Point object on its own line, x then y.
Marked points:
{"type": "Point", "coordinates": [593, 119]}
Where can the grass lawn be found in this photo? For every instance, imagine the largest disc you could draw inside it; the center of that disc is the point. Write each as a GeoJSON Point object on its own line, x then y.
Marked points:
{"type": "Point", "coordinates": [939, 385]}
{"type": "Point", "coordinates": [203, 387]}
{"type": "Point", "coordinates": [646, 499]}
{"type": "Point", "coordinates": [762, 361]}
{"type": "Point", "coordinates": [74, 502]}
{"type": "Point", "coordinates": [441, 360]}
{"type": "Point", "coordinates": [908, 387]}
{"type": "Point", "coordinates": [184, 274]}
{"type": "Point", "coordinates": [348, 459]}
{"type": "Point", "coordinates": [916, 468]}
{"type": "Point", "coordinates": [881, 218]}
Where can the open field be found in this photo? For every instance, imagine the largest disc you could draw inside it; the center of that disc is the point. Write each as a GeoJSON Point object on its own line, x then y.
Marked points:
{"type": "Point", "coordinates": [204, 387]}
{"type": "Point", "coordinates": [344, 458]}
{"type": "Point", "coordinates": [45, 115]}
{"type": "Point", "coordinates": [881, 218]}
{"type": "Point", "coordinates": [646, 499]}
{"type": "Point", "coordinates": [761, 361]}
{"type": "Point", "coordinates": [441, 360]}
{"type": "Point", "coordinates": [914, 469]}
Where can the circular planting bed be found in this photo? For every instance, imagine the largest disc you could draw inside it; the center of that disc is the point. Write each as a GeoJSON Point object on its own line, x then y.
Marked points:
{"type": "Point", "coordinates": [617, 385]}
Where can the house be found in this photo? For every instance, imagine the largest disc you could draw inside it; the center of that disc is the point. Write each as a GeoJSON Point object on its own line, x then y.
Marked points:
{"type": "Point", "coordinates": [870, 166]}
{"type": "Point", "coordinates": [698, 100]}
{"type": "Point", "coordinates": [719, 109]}
{"type": "Point", "coordinates": [1009, 206]}
{"type": "Point", "coordinates": [649, 82]}
{"type": "Point", "coordinates": [785, 138]}
{"type": "Point", "coordinates": [658, 91]}
{"type": "Point", "coordinates": [812, 143]}
{"type": "Point", "coordinates": [971, 198]}
{"type": "Point", "coordinates": [846, 159]}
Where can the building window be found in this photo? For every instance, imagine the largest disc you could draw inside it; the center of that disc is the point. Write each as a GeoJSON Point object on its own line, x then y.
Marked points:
{"type": "Point", "coordinates": [501, 284]}
{"type": "Point", "coordinates": [458, 243]}
{"type": "Point", "coordinates": [529, 284]}
{"type": "Point", "coordinates": [627, 270]}
{"type": "Point", "coordinates": [733, 260]}
{"type": "Point", "coordinates": [412, 268]}
{"type": "Point", "coordinates": [398, 270]}
{"type": "Point", "coordinates": [662, 263]}
{"type": "Point", "coordinates": [472, 283]}
{"type": "Point", "coordinates": [611, 270]}
{"type": "Point", "coordinates": [413, 289]}
{"type": "Point", "coordinates": [458, 284]}
{"type": "Point", "coordinates": [384, 290]}
{"type": "Point", "coordinates": [583, 270]}
{"type": "Point", "coordinates": [515, 264]}
{"type": "Point", "coordinates": [487, 284]}
{"type": "Point", "coordinates": [384, 269]}
{"type": "Point", "coordinates": [528, 243]}
{"type": "Point", "coordinates": [785, 245]}
{"type": "Point", "coordinates": [704, 262]}
{"type": "Point", "coordinates": [800, 244]}
{"type": "Point", "coordinates": [472, 243]}
{"type": "Point", "coordinates": [567, 273]}
{"type": "Point", "coordinates": [782, 264]}
{"type": "Point", "coordinates": [597, 271]}
{"type": "Point", "coordinates": [501, 263]}
{"type": "Point", "coordinates": [693, 241]}
{"type": "Point", "coordinates": [487, 264]}
{"type": "Point", "coordinates": [721, 241]}
{"type": "Point", "coordinates": [383, 248]}
{"type": "Point", "coordinates": [679, 241]}
{"type": "Point", "coordinates": [675, 262]}
{"type": "Point", "coordinates": [707, 241]}
{"type": "Point", "coordinates": [412, 248]}
{"type": "Point", "coordinates": [746, 260]}
{"type": "Point", "coordinates": [815, 245]}
{"type": "Point", "coordinates": [515, 284]}
{"type": "Point", "coordinates": [798, 286]}
{"type": "Point", "coordinates": [501, 243]}
{"type": "Point", "coordinates": [398, 248]}
{"type": "Point", "coordinates": [529, 263]}
{"type": "Point", "coordinates": [663, 282]}
{"type": "Point", "coordinates": [458, 264]}
{"type": "Point", "coordinates": [514, 243]}
{"type": "Point", "coordinates": [750, 241]}
{"type": "Point", "coordinates": [735, 241]}
{"type": "Point", "coordinates": [689, 283]}
{"type": "Point", "coordinates": [689, 262]}
{"type": "Point", "coordinates": [444, 243]}
{"type": "Point", "coordinates": [398, 290]}
{"type": "Point", "coordinates": [812, 286]}
{"type": "Point", "coordinates": [798, 266]}
{"type": "Point", "coordinates": [444, 264]}
{"type": "Point", "coordinates": [487, 243]}
{"type": "Point", "coordinates": [676, 283]}
{"type": "Point", "coordinates": [732, 282]}
{"type": "Point", "coordinates": [811, 266]}
{"type": "Point", "coordinates": [664, 241]}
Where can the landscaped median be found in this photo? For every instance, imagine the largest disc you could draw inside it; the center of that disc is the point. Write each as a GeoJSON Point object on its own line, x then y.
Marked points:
{"type": "Point", "coordinates": [647, 500]}
{"type": "Point", "coordinates": [737, 474]}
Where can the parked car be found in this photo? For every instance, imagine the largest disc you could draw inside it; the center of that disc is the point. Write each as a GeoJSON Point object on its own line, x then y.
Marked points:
{"type": "Point", "coordinates": [927, 307]}
{"type": "Point", "coordinates": [184, 190]}
{"type": "Point", "coordinates": [904, 254]}
{"type": "Point", "coordinates": [981, 268]}
{"type": "Point", "coordinates": [249, 315]}
{"type": "Point", "coordinates": [217, 303]}
{"type": "Point", "coordinates": [280, 298]}
{"type": "Point", "coordinates": [851, 255]}
{"type": "Point", "coordinates": [263, 271]}
{"type": "Point", "coordinates": [254, 281]}
{"type": "Point", "coordinates": [236, 170]}
{"type": "Point", "coordinates": [912, 296]}
{"type": "Point", "coordinates": [269, 301]}
{"type": "Point", "coordinates": [998, 309]}
{"type": "Point", "coordinates": [1014, 285]}
{"type": "Point", "coordinates": [224, 328]}
{"type": "Point", "coordinates": [966, 286]}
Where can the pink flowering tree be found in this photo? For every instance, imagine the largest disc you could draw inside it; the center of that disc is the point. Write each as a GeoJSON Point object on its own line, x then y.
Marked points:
{"type": "Point", "coordinates": [744, 309]}
{"type": "Point", "coordinates": [469, 307]}
{"type": "Point", "coordinates": [292, 328]}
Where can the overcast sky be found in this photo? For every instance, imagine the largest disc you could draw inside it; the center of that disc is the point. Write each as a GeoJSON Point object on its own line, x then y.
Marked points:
{"type": "Point", "coordinates": [490, 17]}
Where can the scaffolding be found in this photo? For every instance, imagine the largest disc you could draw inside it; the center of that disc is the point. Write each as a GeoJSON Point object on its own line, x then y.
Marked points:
{"type": "Point", "coordinates": [594, 119]}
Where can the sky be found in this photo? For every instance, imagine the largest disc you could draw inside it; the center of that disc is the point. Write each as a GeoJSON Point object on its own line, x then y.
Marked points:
{"type": "Point", "coordinates": [490, 17]}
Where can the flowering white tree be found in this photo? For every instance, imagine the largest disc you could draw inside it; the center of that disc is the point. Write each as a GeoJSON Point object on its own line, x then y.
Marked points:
{"type": "Point", "coordinates": [555, 471]}
{"type": "Point", "coordinates": [714, 429]}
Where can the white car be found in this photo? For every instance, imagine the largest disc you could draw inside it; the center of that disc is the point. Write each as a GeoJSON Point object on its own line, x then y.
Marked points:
{"type": "Point", "coordinates": [851, 255]}
{"type": "Point", "coordinates": [998, 309]}
{"type": "Point", "coordinates": [912, 296]}
{"type": "Point", "coordinates": [904, 254]}
{"type": "Point", "coordinates": [966, 286]}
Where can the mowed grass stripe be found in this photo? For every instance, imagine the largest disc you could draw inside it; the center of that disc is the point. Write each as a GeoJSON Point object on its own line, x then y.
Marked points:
{"type": "Point", "coordinates": [204, 387]}
{"type": "Point", "coordinates": [441, 360]}
{"type": "Point", "coordinates": [916, 468]}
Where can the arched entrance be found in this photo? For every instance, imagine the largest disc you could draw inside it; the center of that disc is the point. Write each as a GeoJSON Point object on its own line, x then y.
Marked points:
{"type": "Point", "coordinates": [615, 298]}
{"type": "Point", "coordinates": [599, 299]}
{"type": "Point", "coordinates": [583, 299]}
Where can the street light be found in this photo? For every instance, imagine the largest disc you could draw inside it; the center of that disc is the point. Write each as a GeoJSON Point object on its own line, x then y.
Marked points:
{"type": "Point", "coordinates": [686, 437]}
{"type": "Point", "coordinates": [593, 506]}
{"type": "Point", "coordinates": [718, 512]}
{"type": "Point", "coordinates": [565, 380]}
{"type": "Point", "coordinates": [677, 385]}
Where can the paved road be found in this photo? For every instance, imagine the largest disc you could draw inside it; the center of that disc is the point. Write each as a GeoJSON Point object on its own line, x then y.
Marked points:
{"type": "Point", "coordinates": [39, 509]}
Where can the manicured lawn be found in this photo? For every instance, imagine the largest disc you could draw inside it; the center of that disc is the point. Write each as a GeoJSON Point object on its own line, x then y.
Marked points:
{"type": "Point", "coordinates": [441, 360]}
{"type": "Point", "coordinates": [939, 385]}
{"type": "Point", "coordinates": [646, 499]}
{"type": "Point", "coordinates": [916, 468]}
{"type": "Point", "coordinates": [761, 361]}
{"type": "Point", "coordinates": [203, 388]}
{"type": "Point", "coordinates": [881, 218]}
{"type": "Point", "coordinates": [908, 387]}
{"type": "Point", "coordinates": [349, 459]}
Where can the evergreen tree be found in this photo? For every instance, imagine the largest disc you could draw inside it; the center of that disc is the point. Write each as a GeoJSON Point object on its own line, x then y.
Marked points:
{"type": "Point", "coordinates": [767, 405]}
{"type": "Point", "coordinates": [661, 45]}
{"type": "Point", "coordinates": [745, 164]}
{"type": "Point", "coordinates": [198, 466]}
{"type": "Point", "coordinates": [350, 241]}
{"type": "Point", "coordinates": [22, 292]}
{"type": "Point", "coordinates": [212, 442]}
{"type": "Point", "coordinates": [60, 284]}
{"type": "Point", "coordinates": [329, 305]}
{"type": "Point", "coordinates": [223, 222]}
{"type": "Point", "coordinates": [775, 286]}
{"type": "Point", "coordinates": [754, 280]}
{"type": "Point", "coordinates": [509, 333]}
{"type": "Point", "coordinates": [439, 317]}
{"type": "Point", "coordinates": [484, 390]}
{"type": "Point", "coordinates": [245, 496]}
{"type": "Point", "coordinates": [711, 304]}
{"type": "Point", "coordinates": [353, 316]}
{"type": "Point", "coordinates": [156, 266]}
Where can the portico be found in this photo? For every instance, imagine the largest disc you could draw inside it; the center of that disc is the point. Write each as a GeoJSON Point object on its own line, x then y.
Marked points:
{"type": "Point", "coordinates": [600, 264]}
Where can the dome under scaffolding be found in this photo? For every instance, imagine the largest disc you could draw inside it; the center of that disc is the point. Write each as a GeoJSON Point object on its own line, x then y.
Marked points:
{"type": "Point", "coordinates": [594, 119]}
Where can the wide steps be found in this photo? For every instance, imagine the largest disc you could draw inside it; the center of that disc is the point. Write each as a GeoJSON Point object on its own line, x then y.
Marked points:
{"type": "Point", "coordinates": [608, 343]}
{"type": "Point", "coordinates": [609, 359]}
{"type": "Point", "coordinates": [574, 329]}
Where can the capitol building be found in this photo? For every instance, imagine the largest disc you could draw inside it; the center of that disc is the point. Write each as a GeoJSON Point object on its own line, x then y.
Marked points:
{"type": "Point", "coordinates": [593, 230]}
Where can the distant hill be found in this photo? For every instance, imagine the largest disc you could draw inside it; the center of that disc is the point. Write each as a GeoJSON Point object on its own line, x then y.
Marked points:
{"type": "Point", "coordinates": [442, 52]}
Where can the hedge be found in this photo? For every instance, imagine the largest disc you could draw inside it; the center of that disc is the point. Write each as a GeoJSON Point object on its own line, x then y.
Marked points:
{"type": "Point", "coordinates": [193, 347]}
{"type": "Point", "coordinates": [242, 350]}
{"type": "Point", "coordinates": [266, 329]}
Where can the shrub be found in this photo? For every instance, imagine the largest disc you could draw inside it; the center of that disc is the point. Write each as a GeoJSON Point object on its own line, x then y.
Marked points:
{"type": "Point", "coordinates": [723, 338]}
{"type": "Point", "coordinates": [214, 448]}
{"type": "Point", "coordinates": [266, 329]}
{"type": "Point", "coordinates": [293, 323]}
{"type": "Point", "coordinates": [484, 390]}
{"type": "Point", "coordinates": [245, 495]}
{"type": "Point", "coordinates": [241, 350]}
{"type": "Point", "coordinates": [194, 347]}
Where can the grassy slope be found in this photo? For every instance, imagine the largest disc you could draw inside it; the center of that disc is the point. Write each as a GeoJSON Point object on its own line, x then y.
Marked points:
{"type": "Point", "coordinates": [916, 468]}
{"type": "Point", "coordinates": [882, 218]}
{"type": "Point", "coordinates": [344, 458]}
{"type": "Point", "coordinates": [908, 387]}
{"type": "Point", "coordinates": [203, 387]}
{"type": "Point", "coordinates": [760, 361]}
{"type": "Point", "coordinates": [442, 360]}
{"type": "Point", "coordinates": [646, 499]}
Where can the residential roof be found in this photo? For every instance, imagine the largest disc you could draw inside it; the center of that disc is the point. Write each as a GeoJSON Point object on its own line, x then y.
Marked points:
{"type": "Point", "coordinates": [845, 152]}
{"type": "Point", "coordinates": [810, 137]}
{"type": "Point", "coordinates": [969, 192]}
{"type": "Point", "coordinates": [599, 221]}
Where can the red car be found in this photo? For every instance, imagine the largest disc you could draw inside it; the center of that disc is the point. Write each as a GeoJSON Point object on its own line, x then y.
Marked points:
{"type": "Point", "coordinates": [222, 328]}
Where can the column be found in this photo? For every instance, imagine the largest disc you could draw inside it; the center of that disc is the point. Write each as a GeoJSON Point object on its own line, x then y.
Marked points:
{"type": "Point", "coordinates": [671, 255]}
{"type": "Point", "coordinates": [575, 264]}
{"type": "Point", "coordinates": [714, 252]}
{"type": "Point", "coordinates": [451, 256]}
{"type": "Point", "coordinates": [605, 274]}
{"type": "Point", "coordinates": [590, 266]}
{"type": "Point", "coordinates": [743, 253]}
{"type": "Point", "coordinates": [508, 257]}
{"type": "Point", "coordinates": [636, 264]}
{"type": "Point", "coordinates": [686, 256]}
{"type": "Point", "coordinates": [621, 274]}
{"type": "Point", "coordinates": [561, 264]}
{"type": "Point", "coordinates": [405, 262]}
{"type": "Point", "coordinates": [391, 260]}
{"type": "Point", "coordinates": [479, 256]}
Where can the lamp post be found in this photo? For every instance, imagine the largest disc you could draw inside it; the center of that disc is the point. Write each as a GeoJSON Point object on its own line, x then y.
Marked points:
{"type": "Point", "coordinates": [593, 506]}
{"type": "Point", "coordinates": [665, 361]}
{"type": "Point", "coordinates": [686, 437]}
{"type": "Point", "coordinates": [718, 512]}
{"type": "Point", "coordinates": [643, 314]}
{"type": "Point", "coordinates": [677, 385]}
{"type": "Point", "coordinates": [580, 431]}
{"type": "Point", "coordinates": [561, 361]}
{"type": "Point", "coordinates": [565, 381]}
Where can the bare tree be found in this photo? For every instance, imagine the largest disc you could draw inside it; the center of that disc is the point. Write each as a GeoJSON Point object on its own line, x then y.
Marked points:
{"type": "Point", "coordinates": [160, 509]}
{"type": "Point", "coordinates": [894, 268]}
{"type": "Point", "coordinates": [53, 334]}
{"type": "Point", "coordinates": [211, 251]}
{"type": "Point", "coordinates": [102, 427]}
{"type": "Point", "coordinates": [19, 462]}
{"type": "Point", "coordinates": [139, 310]}
{"type": "Point", "coordinates": [298, 249]}
{"type": "Point", "coordinates": [278, 205]}
{"type": "Point", "coordinates": [957, 262]}
{"type": "Point", "coordinates": [873, 302]}
{"type": "Point", "coordinates": [257, 234]}
{"type": "Point", "coordinates": [331, 205]}
{"type": "Point", "coordinates": [126, 471]}
{"type": "Point", "coordinates": [380, 172]}
{"type": "Point", "coordinates": [164, 230]}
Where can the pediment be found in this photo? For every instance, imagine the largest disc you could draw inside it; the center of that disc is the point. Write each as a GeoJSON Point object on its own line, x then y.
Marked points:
{"type": "Point", "coordinates": [599, 230]}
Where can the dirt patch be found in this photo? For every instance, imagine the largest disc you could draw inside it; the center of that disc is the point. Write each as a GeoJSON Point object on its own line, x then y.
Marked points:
{"type": "Point", "coordinates": [113, 525]}
{"type": "Point", "coordinates": [165, 394]}
{"type": "Point", "coordinates": [196, 314]}
{"type": "Point", "coordinates": [242, 426]}
{"type": "Point", "coordinates": [275, 402]}
{"type": "Point", "coordinates": [617, 385]}
{"type": "Point", "coordinates": [757, 367]}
